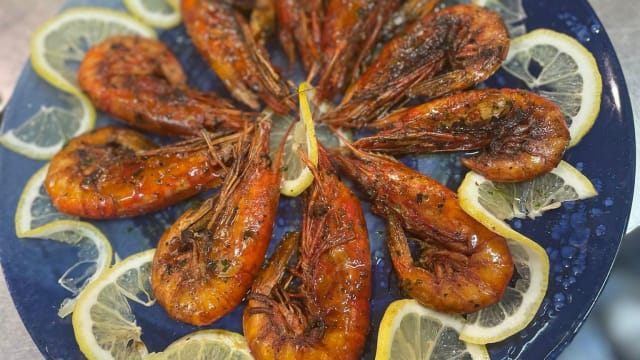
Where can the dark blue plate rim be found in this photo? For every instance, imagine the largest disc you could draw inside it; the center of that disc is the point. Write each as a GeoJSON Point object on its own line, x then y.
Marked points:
{"type": "Point", "coordinates": [614, 124]}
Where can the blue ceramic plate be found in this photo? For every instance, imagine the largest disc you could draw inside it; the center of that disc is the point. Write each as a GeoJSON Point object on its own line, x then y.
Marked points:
{"type": "Point", "coordinates": [581, 238]}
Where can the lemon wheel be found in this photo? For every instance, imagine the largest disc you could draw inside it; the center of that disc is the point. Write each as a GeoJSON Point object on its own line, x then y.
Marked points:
{"type": "Point", "coordinates": [410, 331]}
{"type": "Point", "coordinates": [103, 323]}
{"type": "Point", "coordinates": [566, 73]}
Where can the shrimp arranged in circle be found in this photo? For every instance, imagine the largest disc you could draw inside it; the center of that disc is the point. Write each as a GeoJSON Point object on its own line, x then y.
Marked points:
{"type": "Point", "coordinates": [139, 81]}
{"type": "Point", "coordinates": [317, 308]}
{"type": "Point", "coordinates": [116, 172]}
{"type": "Point", "coordinates": [520, 135]}
{"type": "Point", "coordinates": [222, 35]}
{"type": "Point", "coordinates": [442, 52]}
{"type": "Point", "coordinates": [462, 266]}
{"type": "Point", "coordinates": [207, 260]}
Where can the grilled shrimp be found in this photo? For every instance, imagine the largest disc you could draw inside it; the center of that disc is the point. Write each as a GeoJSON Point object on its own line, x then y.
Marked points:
{"type": "Point", "coordinates": [207, 260]}
{"type": "Point", "coordinates": [116, 172]}
{"type": "Point", "coordinates": [442, 52]}
{"type": "Point", "coordinates": [462, 266]}
{"type": "Point", "coordinates": [349, 32]}
{"type": "Point", "coordinates": [140, 82]}
{"type": "Point", "coordinates": [520, 135]}
{"type": "Point", "coordinates": [317, 308]}
{"type": "Point", "coordinates": [221, 34]}
{"type": "Point", "coordinates": [299, 25]}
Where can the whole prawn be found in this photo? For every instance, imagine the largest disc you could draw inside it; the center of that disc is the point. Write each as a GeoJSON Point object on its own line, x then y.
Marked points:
{"type": "Point", "coordinates": [462, 267]}
{"type": "Point", "coordinates": [520, 135]}
{"type": "Point", "coordinates": [140, 82]}
{"type": "Point", "coordinates": [207, 260]}
{"type": "Point", "coordinates": [317, 308]}
{"type": "Point", "coordinates": [116, 172]}
{"type": "Point", "coordinates": [442, 52]}
{"type": "Point", "coordinates": [222, 35]}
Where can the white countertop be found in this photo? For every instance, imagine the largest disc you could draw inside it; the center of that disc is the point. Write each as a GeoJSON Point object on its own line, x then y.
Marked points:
{"type": "Point", "coordinates": [19, 17]}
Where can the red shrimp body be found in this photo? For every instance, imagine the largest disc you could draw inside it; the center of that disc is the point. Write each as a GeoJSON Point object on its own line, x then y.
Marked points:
{"type": "Point", "coordinates": [223, 36]}
{"type": "Point", "coordinates": [317, 308]}
{"type": "Point", "coordinates": [520, 135]}
{"type": "Point", "coordinates": [116, 172]}
{"type": "Point", "coordinates": [462, 266]}
{"type": "Point", "coordinates": [207, 260]}
{"type": "Point", "coordinates": [441, 52]}
{"type": "Point", "coordinates": [139, 81]}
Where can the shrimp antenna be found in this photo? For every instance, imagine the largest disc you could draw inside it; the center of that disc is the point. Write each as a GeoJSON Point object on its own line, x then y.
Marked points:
{"type": "Point", "coordinates": [213, 152]}
{"type": "Point", "coordinates": [347, 143]}
{"type": "Point", "coordinates": [360, 153]}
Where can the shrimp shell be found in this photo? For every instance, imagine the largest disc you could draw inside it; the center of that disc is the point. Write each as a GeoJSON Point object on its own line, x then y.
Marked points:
{"type": "Point", "coordinates": [139, 81]}
{"type": "Point", "coordinates": [520, 135]}
{"type": "Point", "coordinates": [222, 35]}
{"type": "Point", "coordinates": [115, 172]}
{"type": "Point", "coordinates": [463, 266]}
{"type": "Point", "coordinates": [442, 52]}
{"type": "Point", "coordinates": [317, 308]}
{"type": "Point", "coordinates": [207, 260]}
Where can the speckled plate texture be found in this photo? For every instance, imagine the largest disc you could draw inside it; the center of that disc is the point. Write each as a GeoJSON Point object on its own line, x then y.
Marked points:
{"type": "Point", "coordinates": [581, 238]}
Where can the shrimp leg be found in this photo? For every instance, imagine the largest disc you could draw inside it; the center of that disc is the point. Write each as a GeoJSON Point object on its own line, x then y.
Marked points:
{"type": "Point", "coordinates": [300, 26]}
{"type": "Point", "coordinates": [349, 32]}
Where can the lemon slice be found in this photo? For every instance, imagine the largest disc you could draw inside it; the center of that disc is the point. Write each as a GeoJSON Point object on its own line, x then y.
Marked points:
{"type": "Point", "coordinates": [511, 11]}
{"type": "Point", "coordinates": [525, 293]}
{"type": "Point", "coordinates": [410, 331]}
{"type": "Point", "coordinates": [521, 299]}
{"type": "Point", "coordinates": [504, 201]}
{"type": "Point", "coordinates": [58, 46]}
{"type": "Point", "coordinates": [301, 144]}
{"type": "Point", "coordinates": [103, 323]}
{"type": "Point", "coordinates": [44, 134]}
{"type": "Point", "coordinates": [94, 255]}
{"type": "Point", "coordinates": [35, 208]}
{"type": "Point", "coordinates": [559, 68]}
{"type": "Point", "coordinates": [211, 344]}
{"type": "Point", "coordinates": [157, 13]}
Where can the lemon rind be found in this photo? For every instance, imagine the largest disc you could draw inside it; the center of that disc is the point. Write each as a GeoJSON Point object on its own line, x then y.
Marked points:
{"type": "Point", "coordinates": [155, 19]}
{"type": "Point", "coordinates": [81, 320]}
{"type": "Point", "coordinates": [539, 282]}
{"type": "Point", "coordinates": [101, 242]}
{"type": "Point", "coordinates": [36, 152]}
{"type": "Point", "coordinates": [233, 340]}
{"type": "Point", "coordinates": [294, 187]}
{"type": "Point", "coordinates": [394, 314]}
{"type": "Point", "coordinates": [22, 221]}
